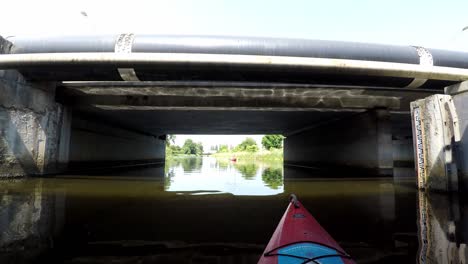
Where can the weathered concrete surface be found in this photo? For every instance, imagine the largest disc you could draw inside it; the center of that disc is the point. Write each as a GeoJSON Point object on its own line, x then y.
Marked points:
{"type": "Point", "coordinates": [226, 107]}
{"type": "Point", "coordinates": [435, 133]}
{"type": "Point", "coordinates": [95, 143]}
{"type": "Point", "coordinates": [363, 141]}
{"type": "Point", "coordinates": [442, 225]}
{"type": "Point", "coordinates": [461, 104]}
{"type": "Point", "coordinates": [31, 127]}
{"type": "Point", "coordinates": [163, 96]}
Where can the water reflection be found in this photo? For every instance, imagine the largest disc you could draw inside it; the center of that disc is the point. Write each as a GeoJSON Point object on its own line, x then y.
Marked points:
{"type": "Point", "coordinates": [248, 170]}
{"type": "Point", "coordinates": [28, 221]}
{"type": "Point", "coordinates": [134, 219]}
{"type": "Point", "coordinates": [82, 219]}
{"type": "Point", "coordinates": [273, 177]}
{"type": "Point", "coordinates": [443, 228]}
{"type": "Point", "coordinates": [188, 164]}
{"type": "Point", "coordinates": [196, 175]}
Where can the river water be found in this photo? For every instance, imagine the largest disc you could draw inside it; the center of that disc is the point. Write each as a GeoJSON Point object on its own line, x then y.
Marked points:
{"type": "Point", "coordinates": [203, 210]}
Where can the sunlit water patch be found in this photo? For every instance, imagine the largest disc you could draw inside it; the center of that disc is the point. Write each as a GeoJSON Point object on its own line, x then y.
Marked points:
{"type": "Point", "coordinates": [208, 175]}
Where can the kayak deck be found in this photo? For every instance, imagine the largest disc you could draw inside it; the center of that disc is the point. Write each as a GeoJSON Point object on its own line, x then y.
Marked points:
{"type": "Point", "coordinates": [299, 238]}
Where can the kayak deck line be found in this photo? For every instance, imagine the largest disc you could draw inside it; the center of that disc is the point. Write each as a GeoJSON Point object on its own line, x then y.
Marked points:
{"type": "Point", "coordinates": [305, 259]}
{"type": "Point", "coordinates": [299, 239]}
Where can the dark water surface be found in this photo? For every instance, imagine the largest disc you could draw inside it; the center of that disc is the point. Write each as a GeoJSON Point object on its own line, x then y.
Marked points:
{"type": "Point", "coordinates": [215, 211]}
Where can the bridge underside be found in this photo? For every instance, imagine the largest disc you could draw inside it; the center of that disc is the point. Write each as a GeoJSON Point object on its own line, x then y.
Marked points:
{"type": "Point", "coordinates": [52, 119]}
{"type": "Point", "coordinates": [226, 108]}
{"type": "Point", "coordinates": [110, 100]}
{"type": "Point", "coordinates": [96, 124]}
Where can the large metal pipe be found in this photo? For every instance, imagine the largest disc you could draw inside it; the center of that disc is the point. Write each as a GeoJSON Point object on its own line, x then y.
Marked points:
{"type": "Point", "coordinates": [316, 49]}
{"type": "Point", "coordinates": [265, 63]}
{"type": "Point", "coordinates": [238, 45]}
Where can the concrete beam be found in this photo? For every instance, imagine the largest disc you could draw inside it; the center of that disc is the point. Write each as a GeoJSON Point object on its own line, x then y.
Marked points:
{"type": "Point", "coordinates": [458, 88]}
{"type": "Point", "coordinates": [226, 97]}
{"type": "Point", "coordinates": [240, 89]}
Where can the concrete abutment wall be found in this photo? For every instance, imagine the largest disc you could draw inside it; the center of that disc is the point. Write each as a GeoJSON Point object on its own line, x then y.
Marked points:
{"type": "Point", "coordinates": [362, 142]}
{"type": "Point", "coordinates": [95, 143]}
{"type": "Point", "coordinates": [40, 136]}
{"type": "Point", "coordinates": [32, 125]}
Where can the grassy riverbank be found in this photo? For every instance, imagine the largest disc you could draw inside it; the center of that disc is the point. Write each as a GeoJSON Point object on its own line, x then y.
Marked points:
{"type": "Point", "coordinates": [274, 155]}
{"type": "Point", "coordinates": [172, 156]}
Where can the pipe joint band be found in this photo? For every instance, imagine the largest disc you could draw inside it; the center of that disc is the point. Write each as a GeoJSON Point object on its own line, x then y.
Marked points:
{"type": "Point", "coordinates": [124, 44]}
{"type": "Point", "coordinates": [426, 60]}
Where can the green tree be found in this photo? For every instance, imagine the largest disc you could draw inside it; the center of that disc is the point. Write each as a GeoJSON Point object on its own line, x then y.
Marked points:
{"type": "Point", "coordinates": [272, 141]}
{"type": "Point", "coordinates": [248, 144]}
{"type": "Point", "coordinates": [251, 148]}
{"type": "Point", "coordinates": [192, 148]}
{"type": "Point", "coordinates": [223, 148]}
{"type": "Point", "coordinates": [176, 150]}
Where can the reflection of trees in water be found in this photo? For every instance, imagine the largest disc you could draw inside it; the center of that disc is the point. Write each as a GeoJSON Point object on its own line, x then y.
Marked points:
{"type": "Point", "coordinates": [191, 164]}
{"type": "Point", "coordinates": [169, 172]}
{"type": "Point", "coordinates": [248, 171]}
{"type": "Point", "coordinates": [187, 163]}
{"type": "Point", "coordinates": [168, 178]}
{"type": "Point", "coordinates": [222, 164]}
{"type": "Point", "coordinates": [170, 163]}
{"type": "Point", "coordinates": [273, 177]}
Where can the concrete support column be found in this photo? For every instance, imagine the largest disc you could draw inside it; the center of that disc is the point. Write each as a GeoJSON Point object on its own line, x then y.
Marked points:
{"type": "Point", "coordinates": [362, 142]}
{"type": "Point", "coordinates": [403, 153]}
{"type": "Point", "coordinates": [459, 94]}
{"type": "Point", "coordinates": [32, 125]}
{"type": "Point", "coordinates": [435, 135]}
{"type": "Point", "coordinates": [384, 147]}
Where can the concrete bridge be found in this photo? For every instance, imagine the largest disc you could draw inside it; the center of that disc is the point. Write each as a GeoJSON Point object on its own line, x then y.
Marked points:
{"type": "Point", "coordinates": [86, 103]}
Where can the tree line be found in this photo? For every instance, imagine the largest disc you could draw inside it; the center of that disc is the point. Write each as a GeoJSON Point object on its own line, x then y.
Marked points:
{"type": "Point", "coordinates": [269, 142]}
{"type": "Point", "coordinates": [190, 147]}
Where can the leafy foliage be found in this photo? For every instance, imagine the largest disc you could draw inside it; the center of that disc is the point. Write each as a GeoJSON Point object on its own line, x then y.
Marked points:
{"type": "Point", "coordinates": [272, 141]}
{"type": "Point", "coordinates": [192, 148]}
{"type": "Point", "coordinates": [173, 150]}
{"type": "Point", "coordinates": [252, 148]}
{"type": "Point", "coordinates": [248, 144]}
{"type": "Point", "coordinates": [223, 148]}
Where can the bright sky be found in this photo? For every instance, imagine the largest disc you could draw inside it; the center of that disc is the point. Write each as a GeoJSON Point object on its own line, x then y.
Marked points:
{"type": "Point", "coordinates": [428, 23]}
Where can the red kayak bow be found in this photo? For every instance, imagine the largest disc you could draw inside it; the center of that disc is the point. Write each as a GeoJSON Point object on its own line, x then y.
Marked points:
{"type": "Point", "coordinates": [299, 239]}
